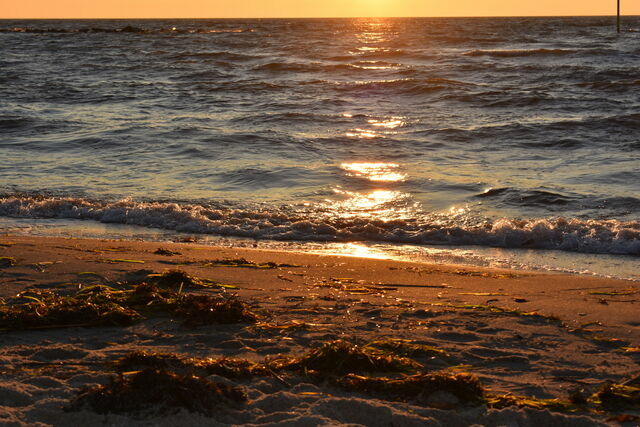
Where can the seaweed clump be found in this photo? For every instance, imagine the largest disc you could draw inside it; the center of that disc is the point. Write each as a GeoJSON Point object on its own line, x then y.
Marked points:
{"type": "Point", "coordinates": [618, 397]}
{"type": "Point", "coordinates": [102, 305]}
{"type": "Point", "coordinates": [464, 388]}
{"type": "Point", "coordinates": [340, 358]}
{"type": "Point", "coordinates": [45, 309]}
{"type": "Point", "coordinates": [177, 279]}
{"type": "Point", "coordinates": [243, 262]}
{"type": "Point", "coordinates": [200, 310]}
{"type": "Point", "coordinates": [158, 391]}
{"type": "Point", "coordinates": [223, 366]}
{"type": "Point", "coordinates": [501, 401]}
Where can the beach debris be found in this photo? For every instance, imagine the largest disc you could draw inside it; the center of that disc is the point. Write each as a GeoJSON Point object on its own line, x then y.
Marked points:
{"type": "Point", "coordinates": [408, 348]}
{"type": "Point", "coordinates": [244, 263]}
{"type": "Point", "coordinates": [178, 279]}
{"type": "Point", "coordinates": [198, 310]}
{"type": "Point", "coordinates": [41, 266]}
{"type": "Point", "coordinates": [121, 260]}
{"type": "Point", "coordinates": [7, 261]}
{"type": "Point", "coordinates": [166, 252]}
{"type": "Point", "coordinates": [45, 309]}
{"type": "Point", "coordinates": [618, 397]}
{"type": "Point", "coordinates": [158, 391]}
{"type": "Point", "coordinates": [487, 274]}
{"type": "Point", "coordinates": [624, 292]}
{"type": "Point", "coordinates": [443, 390]}
{"type": "Point", "coordinates": [7, 244]}
{"type": "Point", "coordinates": [112, 249]}
{"type": "Point", "coordinates": [102, 305]}
{"type": "Point", "coordinates": [224, 366]}
{"type": "Point", "coordinates": [501, 401]}
{"type": "Point", "coordinates": [520, 300]}
{"type": "Point", "coordinates": [354, 287]}
{"type": "Point", "coordinates": [484, 294]}
{"type": "Point", "coordinates": [340, 357]}
{"type": "Point", "coordinates": [295, 325]}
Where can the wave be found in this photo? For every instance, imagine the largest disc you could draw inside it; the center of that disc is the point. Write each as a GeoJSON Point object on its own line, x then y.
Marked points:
{"type": "Point", "coordinates": [126, 29]}
{"type": "Point", "coordinates": [285, 224]}
{"type": "Point", "coordinates": [512, 53]}
{"type": "Point", "coordinates": [612, 84]}
{"type": "Point", "coordinates": [411, 86]}
{"type": "Point", "coordinates": [218, 55]}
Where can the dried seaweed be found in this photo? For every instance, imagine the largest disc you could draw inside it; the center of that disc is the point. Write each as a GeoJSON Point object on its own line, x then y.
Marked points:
{"type": "Point", "coordinates": [166, 252]}
{"type": "Point", "coordinates": [177, 279]}
{"type": "Point", "coordinates": [223, 366]}
{"type": "Point", "coordinates": [340, 358]}
{"type": "Point", "coordinates": [407, 348]}
{"type": "Point", "coordinates": [45, 309]}
{"type": "Point", "coordinates": [7, 261]}
{"type": "Point", "coordinates": [243, 262]}
{"type": "Point", "coordinates": [206, 309]}
{"type": "Point", "coordinates": [618, 397]}
{"type": "Point", "coordinates": [101, 305]}
{"type": "Point", "coordinates": [119, 260]}
{"type": "Point", "coordinates": [624, 292]}
{"type": "Point", "coordinates": [500, 401]}
{"type": "Point", "coordinates": [465, 387]}
{"type": "Point", "coordinates": [159, 392]}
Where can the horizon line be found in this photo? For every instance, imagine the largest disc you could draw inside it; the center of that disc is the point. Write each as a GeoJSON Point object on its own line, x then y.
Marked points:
{"type": "Point", "coordinates": [321, 17]}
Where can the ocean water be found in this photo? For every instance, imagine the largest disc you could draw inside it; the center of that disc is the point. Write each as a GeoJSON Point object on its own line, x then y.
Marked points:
{"type": "Point", "coordinates": [510, 141]}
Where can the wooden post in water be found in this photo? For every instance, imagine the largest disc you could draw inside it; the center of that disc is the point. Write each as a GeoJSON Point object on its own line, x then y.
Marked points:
{"type": "Point", "coordinates": [618, 16]}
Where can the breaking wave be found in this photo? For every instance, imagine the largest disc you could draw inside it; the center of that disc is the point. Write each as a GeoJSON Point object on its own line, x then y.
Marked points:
{"type": "Point", "coordinates": [289, 223]}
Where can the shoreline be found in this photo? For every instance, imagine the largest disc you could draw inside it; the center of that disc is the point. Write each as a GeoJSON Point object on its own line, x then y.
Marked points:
{"type": "Point", "coordinates": [532, 334]}
{"type": "Point", "coordinates": [545, 292]}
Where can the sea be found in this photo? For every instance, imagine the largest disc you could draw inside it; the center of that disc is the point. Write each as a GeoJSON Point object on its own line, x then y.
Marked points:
{"type": "Point", "coordinates": [502, 142]}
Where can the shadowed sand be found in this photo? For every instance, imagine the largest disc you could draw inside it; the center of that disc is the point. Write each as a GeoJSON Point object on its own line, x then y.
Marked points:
{"type": "Point", "coordinates": [532, 334]}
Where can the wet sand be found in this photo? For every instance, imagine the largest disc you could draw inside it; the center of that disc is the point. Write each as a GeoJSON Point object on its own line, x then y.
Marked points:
{"type": "Point", "coordinates": [531, 334]}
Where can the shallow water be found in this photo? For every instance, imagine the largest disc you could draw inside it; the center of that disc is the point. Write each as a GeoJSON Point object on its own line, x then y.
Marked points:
{"type": "Point", "coordinates": [513, 133]}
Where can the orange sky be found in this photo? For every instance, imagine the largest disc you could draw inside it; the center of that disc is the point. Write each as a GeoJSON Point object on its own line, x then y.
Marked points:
{"type": "Point", "coordinates": [304, 8]}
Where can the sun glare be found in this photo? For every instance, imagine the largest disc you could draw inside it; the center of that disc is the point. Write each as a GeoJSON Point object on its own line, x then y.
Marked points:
{"type": "Point", "coordinates": [378, 172]}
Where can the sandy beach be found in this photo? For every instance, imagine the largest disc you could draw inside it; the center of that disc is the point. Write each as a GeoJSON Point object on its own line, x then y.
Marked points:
{"type": "Point", "coordinates": [553, 339]}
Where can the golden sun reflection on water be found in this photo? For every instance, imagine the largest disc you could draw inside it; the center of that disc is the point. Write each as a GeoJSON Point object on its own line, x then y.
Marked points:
{"type": "Point", "coordinates": [355, 250]}
{"type": "Point", "coordinates": [362, 133]}
{"type": "Point", "coordinates": [384, 205]}
{"type": "Point", "coordinates": [378, 172]}
{"type": "Point", "coordinates": [388, 124]}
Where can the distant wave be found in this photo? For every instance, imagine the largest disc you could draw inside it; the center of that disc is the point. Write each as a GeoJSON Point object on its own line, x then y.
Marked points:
{"type": "Point", "coordinates": [126, 29]}
{"type": "Point", "coordinates": [508, 53]}
{"type": "Point", "coordinates": [218, 55]}
{"type": "Point", "coordinates": [412, 86]}
{"type": "Point", "coordinates": [612, 84]}
{"type": "Point", "coordinates": [575, 235]}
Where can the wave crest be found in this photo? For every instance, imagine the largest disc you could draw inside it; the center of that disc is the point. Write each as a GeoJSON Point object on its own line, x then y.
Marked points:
{"type": "Point", "coordinates": [286, 223]}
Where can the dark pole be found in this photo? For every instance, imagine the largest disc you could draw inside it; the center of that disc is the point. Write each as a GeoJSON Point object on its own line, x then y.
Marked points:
{"type": "Point", "coordinates": [618, 15]}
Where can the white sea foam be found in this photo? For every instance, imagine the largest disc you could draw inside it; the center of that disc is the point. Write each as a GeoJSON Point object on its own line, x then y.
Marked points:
{"type": "Point", "coordinates": [573, 235]}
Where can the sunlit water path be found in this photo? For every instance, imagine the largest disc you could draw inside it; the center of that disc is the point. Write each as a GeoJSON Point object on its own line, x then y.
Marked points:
{"type": "Point", "coordinates": [494, 141]}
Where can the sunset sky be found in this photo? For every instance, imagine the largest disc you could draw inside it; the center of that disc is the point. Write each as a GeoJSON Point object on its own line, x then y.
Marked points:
{"type": "Point", "coordinates": [304, 8]}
